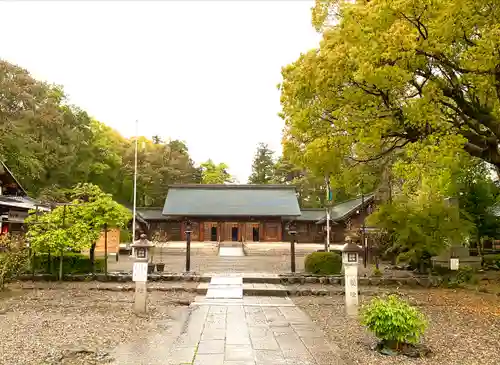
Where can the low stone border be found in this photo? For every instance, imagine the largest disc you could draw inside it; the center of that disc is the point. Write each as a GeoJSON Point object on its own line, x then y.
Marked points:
{"type": "Point", "coordinates": [414, 281]}
{"type": "Point", "coordinates": [251, 292]}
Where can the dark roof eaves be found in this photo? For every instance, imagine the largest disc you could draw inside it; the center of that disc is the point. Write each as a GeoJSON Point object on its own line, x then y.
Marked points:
{"type": "Point", "coordinates": [234, 186]}
{"type": "Point", "coordinates": [229, 215]}
{"type": "Point", "coordinates": [15, 179]}
{"type": "Point", "coordinates": [367, 197]}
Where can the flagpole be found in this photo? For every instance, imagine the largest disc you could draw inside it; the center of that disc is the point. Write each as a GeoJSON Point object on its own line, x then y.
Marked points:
{"type": "Point", "coordinates": [328, 198]}
{"type": "Point", "coordinates": [135, 183]}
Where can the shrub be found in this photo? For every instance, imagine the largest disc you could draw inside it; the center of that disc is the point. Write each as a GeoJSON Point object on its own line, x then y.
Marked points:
{"type": "Point", "coordinates": [456, 278]}
{"type": "Point", "coordinates": [323, 263]}
{"type": "Point", "coordinates": [73, 263]}
{"type": "Point", "coordinates": [492, 261]}
{"type": "Point", "coordinates": [464, 274]}
{"type": "Point", "coordinates": [377, 271]}
{"type": "Point", "coordinates": [394, 321]}
{"type": "Point", "coordinates": [13, 257]}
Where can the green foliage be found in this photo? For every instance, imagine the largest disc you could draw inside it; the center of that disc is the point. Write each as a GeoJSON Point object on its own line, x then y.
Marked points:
{"type": "Point", "coordinates": [478, 195]}
{"type": "Point", "coordinates": [377, 271]}
{"type": "Point", "coordinates": [492, 261]}
{"type": "Point", "coordinates": [465, 274]}
{"type": "Point", "coordinates": [420, 226]}
{"type": "Point", "coordinates": [454, 279]}
{"type": "Point", "coordinates": [50, 146]}
{"type": "Point", "coordinates": [13, 257]}
{"type": "Point", "coordinates": [323, 263]}
{"type": "Point", "coordinates": [125, 235]}
{"type": "Point", "coordinates": [215, 174]}
{"type": "Point", "coordinates": [393, 320]}
{"type": "Point", "coordinates": [73, 263]}
{"type": "Point", "coordinates": [76, 226]}
{"type": "Point", "coordinates": [263, 166]}
{"type": "Point", "coordinates": [403, 78]}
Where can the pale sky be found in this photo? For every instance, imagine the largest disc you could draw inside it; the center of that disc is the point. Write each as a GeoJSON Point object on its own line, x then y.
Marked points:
{"type": "Point", "coordinates": [201, 71]}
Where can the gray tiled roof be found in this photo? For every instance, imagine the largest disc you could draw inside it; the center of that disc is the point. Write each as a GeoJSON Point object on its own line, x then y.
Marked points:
{"type": "Point", "coordinates": [151, 213]}
{"type": "Point", "coordinates": [231, 200]}
{"type": "Point", "coordinates": [21, 202]}
{"type": "Point", "coordinates": [311, 214]}
{"type": "Point", "coordinates": [341, 211]}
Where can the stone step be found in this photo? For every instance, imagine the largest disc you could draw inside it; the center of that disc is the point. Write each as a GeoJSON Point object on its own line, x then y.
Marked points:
{"type": "Point", "coordinates": [231, 252]}
{"type": "Point", "coordinates": [230, 244]}
{"type": "Point", "coordinates": [181, 251]}
{"type": "Point", "coordinates": [251, 289]}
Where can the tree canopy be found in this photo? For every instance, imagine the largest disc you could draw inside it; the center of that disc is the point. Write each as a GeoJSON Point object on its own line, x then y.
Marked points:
{"type": "Point", "coordinates": [51, 145]}
{"type": "Point", "coordinates": [212, 173]}
{"type": "Point", "coordinates": [391, 76]}
{"type": "Point", "coordinates": [402, 97]}
{"type": "Point", "coordinates": [79, 224]}
{"type": "Point", "coordinates": [263, 166]}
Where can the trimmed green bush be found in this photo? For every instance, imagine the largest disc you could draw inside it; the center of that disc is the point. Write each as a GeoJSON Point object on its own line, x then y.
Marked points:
{"type": "Point", "coordinates": [73, 263]}
{"type": "Point", "coordinates": [323, 263]}
{"type": "Point", "coordinates": [394, 321]}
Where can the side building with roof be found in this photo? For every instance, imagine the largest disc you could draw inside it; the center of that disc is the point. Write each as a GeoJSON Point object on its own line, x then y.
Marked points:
{"type": "Point", "coordinates": [14, 202]}
{"type": "Point", "coordinates": [248, 213]}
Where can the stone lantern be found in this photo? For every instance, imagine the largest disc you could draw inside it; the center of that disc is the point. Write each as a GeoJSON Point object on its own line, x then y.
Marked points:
{"type": "Point", "coordinates": [350, 259]}
{"type": "Point", "coordinates": [142, 249]}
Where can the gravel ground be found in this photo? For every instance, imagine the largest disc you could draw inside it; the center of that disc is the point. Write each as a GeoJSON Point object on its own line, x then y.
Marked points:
{"type": "Point", "coordinates": [464, 327]}
{"type": "Point", "coordinates": [72, 325]}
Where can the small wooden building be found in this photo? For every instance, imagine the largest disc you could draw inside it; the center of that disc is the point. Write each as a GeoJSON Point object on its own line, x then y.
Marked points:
{"type": "Point", "coordinates": [239, 213]}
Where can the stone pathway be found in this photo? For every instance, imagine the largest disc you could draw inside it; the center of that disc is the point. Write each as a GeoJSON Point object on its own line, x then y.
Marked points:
{"type": "Point", "coordinates": [225, 328]}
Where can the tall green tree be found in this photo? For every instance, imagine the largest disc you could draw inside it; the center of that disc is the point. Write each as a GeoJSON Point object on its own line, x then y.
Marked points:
{"type": "Point", "coordinates": [478, 197]}
{"type": "Point", "coordinates": [263, 166]}
{"type": "Point", "coordinates": [420, 226]}
{"type": "Point", "coordinates": [78, 225]}
{"type": "Point", "coordinates": [50, 146]}
{"type": "Point", "coordinates": [212, 173]}
{"type": "Point", "coordinates": [397, 78]}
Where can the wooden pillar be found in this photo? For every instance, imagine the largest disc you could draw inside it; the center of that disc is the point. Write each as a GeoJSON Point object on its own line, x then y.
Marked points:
{"type": "Point", "coordinates": [280, 233]}
{"type": "Point", "coordinates": [201, 231]}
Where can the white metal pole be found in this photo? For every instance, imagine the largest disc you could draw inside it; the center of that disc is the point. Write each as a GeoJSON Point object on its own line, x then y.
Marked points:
{"type": "Point", "coordinates": [135, 183]}
{"type": "Point", "coordinates": [327, 243]}
{"type": "Point", "coordinates": [327, 247]}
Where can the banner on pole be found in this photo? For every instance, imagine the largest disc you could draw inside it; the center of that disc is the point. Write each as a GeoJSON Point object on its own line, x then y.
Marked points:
{"type": "Point", "coordinates": [329, 193]}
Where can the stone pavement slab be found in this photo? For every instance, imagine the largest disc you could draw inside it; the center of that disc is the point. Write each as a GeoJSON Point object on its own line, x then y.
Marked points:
{"type": "Point", "coordinates": [252, 330]}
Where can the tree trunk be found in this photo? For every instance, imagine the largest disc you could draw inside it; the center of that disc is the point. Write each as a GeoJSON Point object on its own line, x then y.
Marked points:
{"type": "Point", "coordinates": [92, 257]}
{"type": "Point", "coordinates": [61, 258]}
{"type": "Point", "coordinates": [49, 263]}
{"type": "Point", "coordinates": [33, 267]}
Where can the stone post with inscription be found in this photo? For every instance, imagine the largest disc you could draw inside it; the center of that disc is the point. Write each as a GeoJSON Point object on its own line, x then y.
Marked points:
{"type": "Point", "coordinates": [350, 259]}
{"type": "Point", "coordinates": [142, 249]}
